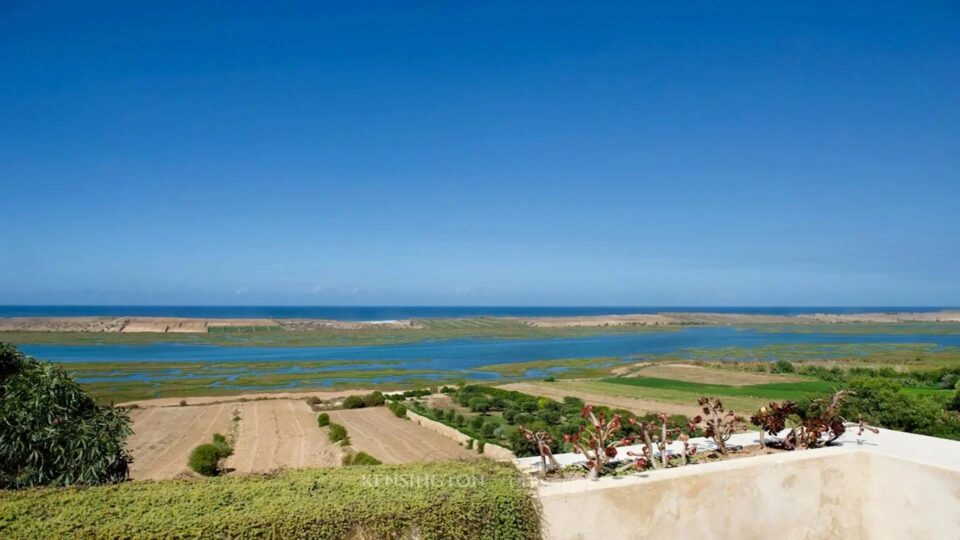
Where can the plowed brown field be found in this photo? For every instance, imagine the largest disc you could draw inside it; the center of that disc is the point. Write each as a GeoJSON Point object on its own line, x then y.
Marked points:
{"type": "Point", "coordinates": [379, 433]}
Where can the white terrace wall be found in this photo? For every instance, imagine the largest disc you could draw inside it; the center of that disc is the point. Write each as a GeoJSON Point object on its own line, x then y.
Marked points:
{"type": "Point", "coordinates": [829, 493]}
{"type": "Point", "coordinates": [907, 499]}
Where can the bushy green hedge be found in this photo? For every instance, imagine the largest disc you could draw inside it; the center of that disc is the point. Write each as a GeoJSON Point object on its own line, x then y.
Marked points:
{"type": "Point", "coordinates": [204, 460]}
{"type": "Point", "coordinates": [338, 433]}
{"type": "Point", "coordinates": [361, 458]}
{"type": "Point", "coordinates": [397, 409]}
{"type": "Point", "coordinates": [451, 500]}
{"type": "Point", "coordinates": [323, 419]}
{"type": "Point", "coordinates": [373, 399]}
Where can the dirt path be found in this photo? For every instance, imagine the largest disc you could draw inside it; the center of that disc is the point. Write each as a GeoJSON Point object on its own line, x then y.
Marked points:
{"type": "Point", "coordinates": [163, 438]}
{"type": "Point", "coordinates": [207, 400]}
{"type": "Point", "coordinates": [379, 433]}
{"type": "Point", "coordinates": [636, 406]}
{"type": "Point", "coordinates": [278, 434]}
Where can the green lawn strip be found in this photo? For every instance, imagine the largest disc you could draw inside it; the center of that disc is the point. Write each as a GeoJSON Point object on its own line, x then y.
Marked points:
{"type": "Point", "coordinates": [667, 395]}
{"type": "Point", "coordinates": [766, 391]}
{"type": "Point", "coordinates": [447, 500]}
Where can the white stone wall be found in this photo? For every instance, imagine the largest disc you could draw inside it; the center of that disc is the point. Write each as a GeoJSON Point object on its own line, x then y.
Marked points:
{"type": "Point", "coordinates": [893, 486]}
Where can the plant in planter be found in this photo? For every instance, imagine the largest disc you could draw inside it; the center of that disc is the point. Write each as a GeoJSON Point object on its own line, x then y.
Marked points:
{"type": "Point", "coordinates": [717, 422]}
{"type": "Point", "coordinates": [821, 426]}
{"type": "Point", "coordinates": [543, 441]}
{"type": "Point", "coordinates": [689, 450]}
{"type": "Point", "coordinates": [597, 440]}
{"type": "Point", "coordinates": [656, 439]}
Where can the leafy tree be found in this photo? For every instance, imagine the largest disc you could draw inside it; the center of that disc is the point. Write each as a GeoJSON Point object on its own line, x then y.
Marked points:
{"type": "Point", "coordinates": [353, 402]}
{"type": "Point", "coordinates": [783, 366]}
{"type": "Point", "coordinates": [52, 432]}
{"type": "Point", "coordinates": [323, 419]}
{"type": "Point", "coordinates": [479, 404]}
{"type": "Point", "coordinates": [374, 399]}
{"type": "Point", "coordinates": [883, 402]}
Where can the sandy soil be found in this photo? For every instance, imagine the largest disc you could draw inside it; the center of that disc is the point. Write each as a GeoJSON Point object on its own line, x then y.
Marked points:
{"type": "Point", "coordinates": [208, 400]}
{"type": "Point", "coordinates": [124, 324]}
{"type": "Point", "coordinates": [188, 325]}
{"type": "Point", "coordinates": [163, 437]}
{"type": "Point", "coordinates": [636, 406]}
{"type": "Point", "coordinates": [379, 433]}
{"type": "Point", "coordinates": [280, 434]}
{"type": "Point", "coordinates": [594, 321]}
{"type": "Point", "coordinates": [684, 318]}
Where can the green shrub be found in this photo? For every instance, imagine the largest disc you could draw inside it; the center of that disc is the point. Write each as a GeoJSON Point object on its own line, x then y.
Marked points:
{"type": "Point", "coordinates": [479, 404]}
{"type": "Point", "coordinates": [286, 505]}
{"type": "Point", "coordinates": [550, 378]}
{"type": "Point", "coordinates": [783, 366]}
{"type": "Point", "coordinates": [373, 399]}
{"type": "Point", "coordinates": [338, 433]}
{"type": "Point", "coordinates": [477, 422]}
{"type": "Point", "coordinates": [397, 409]}
{"type": "Point", "coordinates": [323, 419]}
{"type": "Point", "coordinates": [884, 403]}
{"type": "Point", "coordinates": [488, 429]}
{"type": "Point", "coordinates": [480, 446]}
{"type": "Point", "coordinates": [223, 447]}
{"type": "Point", "coordinates": [353, 402]}
{"type": "Point", "coordinates": [205, 460]}
{"type": "Point", "coordinates": [52, 432]}
{"type": "Point", "coordinates": [550, 417]}
{"type": "Point", "coordinates": [363, 458]}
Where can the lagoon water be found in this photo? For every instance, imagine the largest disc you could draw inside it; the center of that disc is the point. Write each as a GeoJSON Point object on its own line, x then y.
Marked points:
{"type": "Point", "coordinates": [471, 353]}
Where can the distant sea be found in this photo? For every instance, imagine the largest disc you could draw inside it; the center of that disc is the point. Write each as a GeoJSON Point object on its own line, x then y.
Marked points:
{"type": "Point", "coordinates": [381, 313]}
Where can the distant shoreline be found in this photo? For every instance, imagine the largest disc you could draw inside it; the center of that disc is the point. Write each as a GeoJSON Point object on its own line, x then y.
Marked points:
{"type": "Point", "coordinates": [399, 313]}
{"type": "Point", "coordinates": [203, 325]}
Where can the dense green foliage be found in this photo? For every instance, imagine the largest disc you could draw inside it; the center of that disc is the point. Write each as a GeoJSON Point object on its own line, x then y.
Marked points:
{"type": "Point", "coordinates": [205, 460]}
{"type": "Point", "coordinates": [338, 433]}
{"type": "Point", "coordinates": [353, 402]}
{"type": "Point", "coordinates": [51, 431]}
{"type": "Point", "coordinates": [373, 399]}
{"type": "Point", "coordinates": [397, 409]}
{"type": "Point", "coordinates": [783, 366]}
{"type": "Point", "coordinates": [323, 419]}
{"type": "Point", "coordinates": [886, 404]}
{"type": "Point", "coordinates": [452, 500]}
{"type": "Point", "coordinates": [361, 458]}
{"type": "Point", "coordinates": [499, 413]}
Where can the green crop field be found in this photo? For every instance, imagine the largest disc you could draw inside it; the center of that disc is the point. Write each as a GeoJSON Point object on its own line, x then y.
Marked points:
{"type": "Point", "coordinates": [791, 390]}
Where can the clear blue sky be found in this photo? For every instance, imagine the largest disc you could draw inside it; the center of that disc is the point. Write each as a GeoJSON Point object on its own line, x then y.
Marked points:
{"type": "Point", "coordinates": [490, 153]}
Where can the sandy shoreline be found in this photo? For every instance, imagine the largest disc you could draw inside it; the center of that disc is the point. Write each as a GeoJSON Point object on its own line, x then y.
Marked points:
{"type": "Point", "coordinates": [204, 325]}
